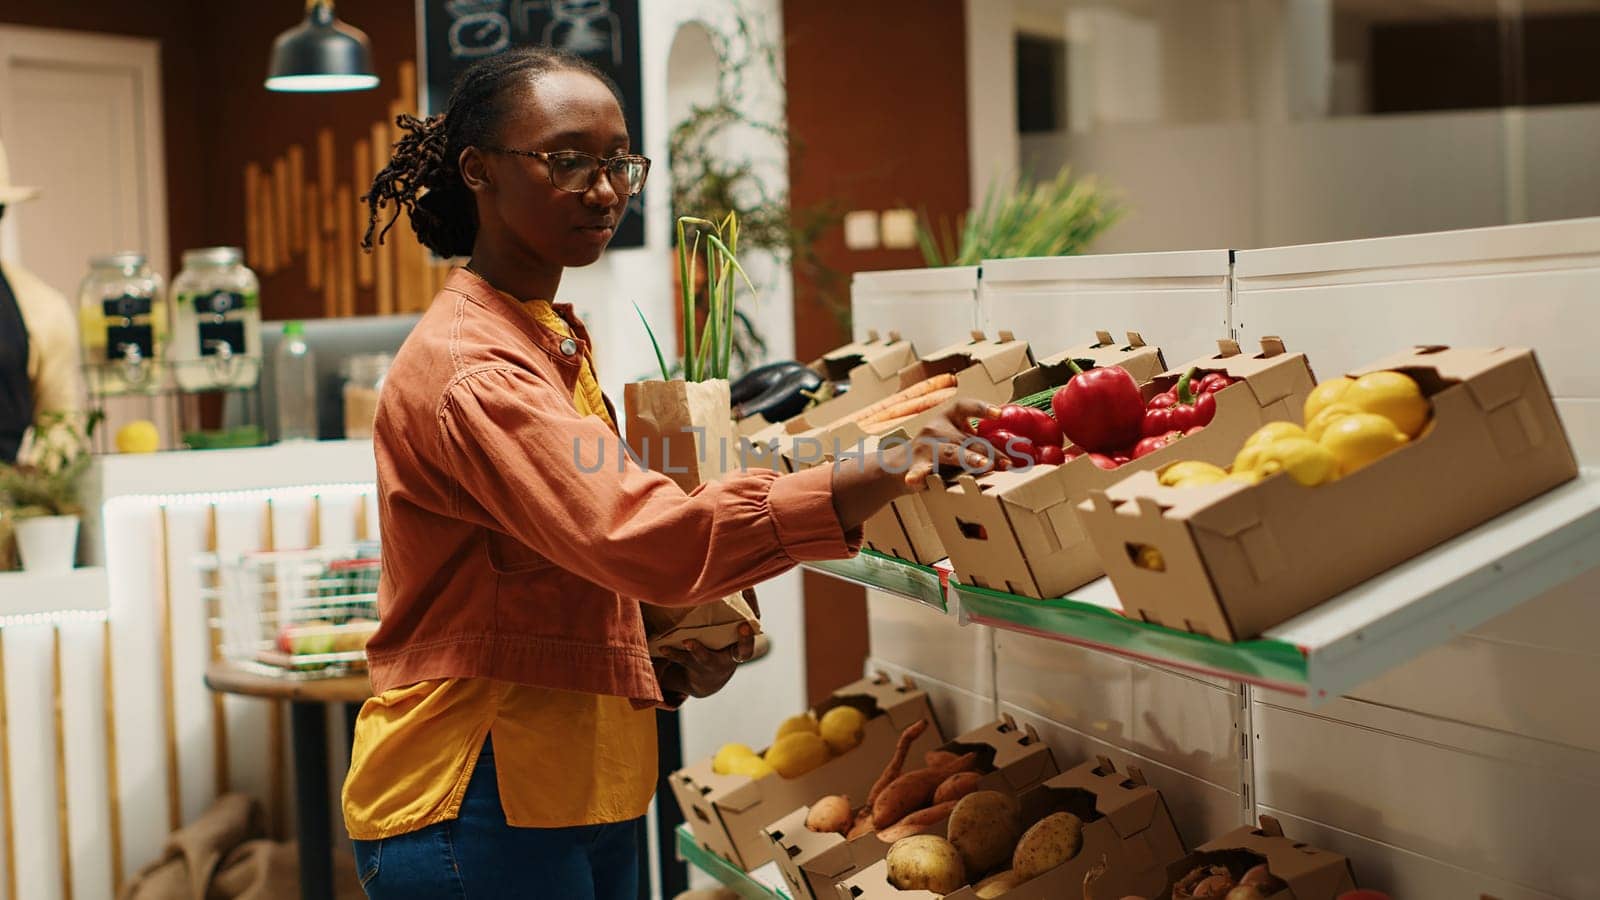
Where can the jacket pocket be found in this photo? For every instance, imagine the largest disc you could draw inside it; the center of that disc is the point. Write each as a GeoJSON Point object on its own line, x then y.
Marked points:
{"type": "Point", "coordinates": [509, 556]}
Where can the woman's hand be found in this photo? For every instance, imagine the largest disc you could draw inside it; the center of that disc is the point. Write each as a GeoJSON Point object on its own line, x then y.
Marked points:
{"type": "Point", "coordinates": [862, 487]}
{"type": "Point", "coordinates": [700, 672]}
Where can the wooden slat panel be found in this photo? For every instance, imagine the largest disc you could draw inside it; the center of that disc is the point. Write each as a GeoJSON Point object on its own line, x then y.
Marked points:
{"type": "Point", "coordinates": [285, 212]}
{"type": "Point", "coordinates": [313, 207]}
{"type": "Point", "coordinates": [252, 215]}
{"type": "Point", "coordinates": [330, 275]}
{"type": "Point", "coordinates": [266, 195]}
{"type": "Point", "coordinates": [297, 197]}
{"type": "Point", "coordinates": [363, 174]}
{"type": "Point", "coordinates": [347, 251]}
{"type": "Point", "coordinates": [383, 254]}
{"type": "Point", "coordinates": [325, 176]}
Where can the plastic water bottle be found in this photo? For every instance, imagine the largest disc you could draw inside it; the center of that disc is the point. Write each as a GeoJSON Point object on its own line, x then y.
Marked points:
{"type": "Point", "coordinates": [296, 385]}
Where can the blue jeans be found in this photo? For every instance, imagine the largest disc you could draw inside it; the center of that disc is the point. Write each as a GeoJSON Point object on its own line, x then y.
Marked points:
{"type": "Point", "coordinates": [479, 856]}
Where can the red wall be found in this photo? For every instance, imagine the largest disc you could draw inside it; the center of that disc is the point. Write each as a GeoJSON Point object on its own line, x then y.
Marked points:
{"type": "Point", "coordinates": [878, 112]}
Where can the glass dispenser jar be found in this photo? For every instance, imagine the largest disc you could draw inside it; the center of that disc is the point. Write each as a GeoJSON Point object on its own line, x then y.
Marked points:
{"type": "Point", "coordinates": [363, 380]}
{"type": "Point", "coordinates": [216, 333]}
{"type": "Point", "coordinates": [122, 320]}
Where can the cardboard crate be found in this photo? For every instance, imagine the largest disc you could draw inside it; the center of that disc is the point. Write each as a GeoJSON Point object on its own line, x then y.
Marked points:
{"type": "Point", "coordinates": [872, 369]}
{"type": "Point", "coordinates": [1240, 559]}
{"type": "Point", "coordinates": [1308, 873]}
{"type": "Point", "coordinates": [1125, 821]}
{"type": "Point", "coordinates": [727, 813]}
{"type": "Point", "coordinates": [1018, 531]}
{"type": "Point", "coordinates": [1012, 759]}
{"type": "Point", "coordinates": [984, 371]}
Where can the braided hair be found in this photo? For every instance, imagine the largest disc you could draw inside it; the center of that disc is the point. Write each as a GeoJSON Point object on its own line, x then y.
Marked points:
{"type": "Point", "coordinates": [423, 176]}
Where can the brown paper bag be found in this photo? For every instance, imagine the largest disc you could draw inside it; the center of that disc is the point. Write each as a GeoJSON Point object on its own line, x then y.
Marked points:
{"type": "Point", "coordinates": [685, 430]}
{"type": "Point", "coordinates": [8, 541]}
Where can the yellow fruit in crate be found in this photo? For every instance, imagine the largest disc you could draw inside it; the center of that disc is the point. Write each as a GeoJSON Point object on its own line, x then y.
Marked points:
{"type": "Point", "coordinates": [138, 437]}
{"type": "Point", "coordinates": [1391, 395]}
{"type": "Point", "coordinates": [795, 754]}
{"type": "Point", "coordinates": [1330, 391]}
{"type": "Point", "coordinates": [729, 755]}
{"type": "Point", "coordinates": [1245, 476]}
{"type": "Point", "coordinates": [1331, 413]}
{"type": "Point", "coordinates": [750, 767]}
{"type": "Point", "coordinates": [796, 725]}
{"type": "Point", "coordinates": [1266, 434]}
{"type": "Point", "coordinates": [1306, 461]}
{"type": "Point", "coordinates": [842, 728]}
{"type": "Point", "coordinates": [1360, 439]}
{"type": "Point", "coordinates": [1191, 473]}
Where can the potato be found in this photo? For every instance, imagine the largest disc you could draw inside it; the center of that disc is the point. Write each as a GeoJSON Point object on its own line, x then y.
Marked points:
{"type": "Point", "coordinates": [957, 786]}
{"type": "Point", "coordinates": [984, 827]}
{"type": "Point", "coordinates": [1051, 841]}
{"type": "Point", "coordinates": [830, 814]}
{"type": "Point", "coordinates": [997, 884]}
{"type": "Point", "coordinates": [926, 862]}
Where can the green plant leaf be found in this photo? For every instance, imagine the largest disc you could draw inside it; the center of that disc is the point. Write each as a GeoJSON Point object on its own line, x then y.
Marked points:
{"type": "Point", "coordinates": [660, 359]}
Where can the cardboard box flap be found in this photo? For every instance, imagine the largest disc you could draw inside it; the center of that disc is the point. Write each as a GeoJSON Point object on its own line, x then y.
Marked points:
{"type": "Point", "coordinates": [1013, 751]}
{"type": "Point", "coordinates": [1123, 800]}
{"type": "Point", "coordinates": [1001, 358]}
{"type": "Point", "coordinates": [1032, 490]}
{"type": "Point", "coordinates": [1269, 373]}
{"type": "Point", "coordinates": [885, 694]}
{"type": "Point", "coordinates": [1141, 361]}
{"type": "Point", "coordinates": [1310, 872]}
{"type": "Point", "coordinates": [1496, 377]}
{"type": "Point", "coordinates": [1142, 494]}
{"type": "Point", "coordinates": [877, 362]}
{"type": "Point", "coordinates": [793, 838]}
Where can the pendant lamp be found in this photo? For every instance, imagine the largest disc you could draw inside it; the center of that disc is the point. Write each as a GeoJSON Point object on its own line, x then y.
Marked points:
{"type": "Point", "coordinates": [321, 54]}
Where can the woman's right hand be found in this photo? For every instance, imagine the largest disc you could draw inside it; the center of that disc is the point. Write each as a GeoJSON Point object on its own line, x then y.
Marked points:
{"type": "Point", "coordinates": [862, 487]}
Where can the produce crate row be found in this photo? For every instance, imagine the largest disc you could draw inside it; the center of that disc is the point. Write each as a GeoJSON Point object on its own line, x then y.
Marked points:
{"type": "Point", "coordinates": [1184, 513]}
{"type": "Point", "coordinates": [873, 802]}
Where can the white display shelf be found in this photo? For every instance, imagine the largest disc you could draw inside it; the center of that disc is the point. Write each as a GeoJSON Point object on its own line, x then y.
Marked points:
{"type": "Point", "coordinates": [1329, 650]}
{"type": "Point", "coordinates": [33, 593]}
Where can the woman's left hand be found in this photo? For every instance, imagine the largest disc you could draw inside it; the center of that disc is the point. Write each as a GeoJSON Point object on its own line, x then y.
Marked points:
{"type": "Point", "coordinates": [700, 672]}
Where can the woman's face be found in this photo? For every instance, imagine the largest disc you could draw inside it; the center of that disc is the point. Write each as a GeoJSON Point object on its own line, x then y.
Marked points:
{"type": "Point", "coordinates": [561, 110]}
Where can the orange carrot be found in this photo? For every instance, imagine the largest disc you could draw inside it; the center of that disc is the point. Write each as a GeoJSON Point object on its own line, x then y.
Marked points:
{"type": "Point", "coordinates": [925, 386]}
{"type": "Point", "coordinates": [907, 408]}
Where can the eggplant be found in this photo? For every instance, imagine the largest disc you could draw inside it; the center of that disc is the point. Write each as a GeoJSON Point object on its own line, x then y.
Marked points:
{"type": "Point", "coordinates": [785, 399]}
{"type": "Point", "coordinates": [755, 382]}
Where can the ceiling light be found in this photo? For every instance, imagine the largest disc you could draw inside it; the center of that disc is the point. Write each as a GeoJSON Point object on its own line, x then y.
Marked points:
{"type": "Point", "coordinates": [321, 54]}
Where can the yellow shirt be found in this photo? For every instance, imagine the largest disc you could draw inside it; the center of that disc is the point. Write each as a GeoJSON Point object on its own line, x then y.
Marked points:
{"type": "Point", "coordinates": [562, 758]}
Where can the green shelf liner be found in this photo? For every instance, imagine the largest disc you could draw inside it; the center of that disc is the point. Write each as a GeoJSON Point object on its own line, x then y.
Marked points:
{"type": "Point", "coordinates": [923, 584]}
{"type": "Point", "coordinates": [1266, 662]}
{"type": "Point", "coordinates": [723, 871]}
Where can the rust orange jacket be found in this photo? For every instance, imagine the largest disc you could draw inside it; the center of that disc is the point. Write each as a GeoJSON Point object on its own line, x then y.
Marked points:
{"type": "Point", "coordinates": [519, 540]}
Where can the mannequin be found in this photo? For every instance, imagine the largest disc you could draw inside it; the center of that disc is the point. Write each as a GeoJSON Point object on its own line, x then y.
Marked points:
{"type": "Point", "coordinates": [38, 341]}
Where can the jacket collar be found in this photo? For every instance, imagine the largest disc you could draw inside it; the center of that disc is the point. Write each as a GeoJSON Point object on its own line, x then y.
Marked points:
{"type": "Point", "coordinates": [504, 305]}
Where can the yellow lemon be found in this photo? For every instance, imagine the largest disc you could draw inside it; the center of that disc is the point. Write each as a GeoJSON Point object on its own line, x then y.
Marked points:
{"type": "Point", "coordinates": [795, 754]}
{"type": "Point", "coordinates": [1330, 391]}
{"type": "Point", "coordinates": [728, 757]}
{"type": "Point", "coordinates": [138, 437]}
{"type": "Point", "coordinates": [1306, 461]}
{"type": "Point", "coordinates": [1266, 434]}
{"type": "Point", "coordinates": [750, 767]}
{"type": "Point", "coordinates": [1391, 395]}
{"type": "Point", "coordinates": [1331, 413]}
{"type": "Point", "coordinates": [843, 727]}
{"type": "Point", "coordinates": [1359, 439]}
{"type": "Point", "coordinates": [1191, 473]}
{"type": "Point", "coordinates": [796, 725]}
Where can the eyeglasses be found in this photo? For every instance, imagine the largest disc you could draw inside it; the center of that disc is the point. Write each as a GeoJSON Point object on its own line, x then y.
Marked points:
{"type": "Point", "coordinates": [575, 172]}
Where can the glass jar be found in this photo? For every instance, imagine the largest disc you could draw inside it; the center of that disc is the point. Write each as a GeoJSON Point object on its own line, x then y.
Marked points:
{"type": "Point", "coordinates": [122, 321]}
{"type": "Point", "coordinates": [216, 331]}
{"type": "Point", "coordinates": [363, 379]}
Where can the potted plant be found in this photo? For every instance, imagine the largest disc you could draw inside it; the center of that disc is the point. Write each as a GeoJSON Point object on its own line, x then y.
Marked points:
{"type": "Point", "coordinates": [40, 490]}
{"type": "Point", "coordinates": [682, 425]}
{"type": "Point", "coordinates": [1020, 217]}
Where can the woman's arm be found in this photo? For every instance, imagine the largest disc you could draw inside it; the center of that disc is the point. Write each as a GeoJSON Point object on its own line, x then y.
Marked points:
{"type": "Point", "coordinates": [524, 462]}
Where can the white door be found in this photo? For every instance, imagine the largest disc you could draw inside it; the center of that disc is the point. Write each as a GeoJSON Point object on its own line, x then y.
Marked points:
{"type": "Point", "coordinates": [80, 116]}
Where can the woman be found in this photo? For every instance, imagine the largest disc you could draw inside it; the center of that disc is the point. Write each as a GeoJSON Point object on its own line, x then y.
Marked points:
{"type": "Point", "coordinates": [511, 744]}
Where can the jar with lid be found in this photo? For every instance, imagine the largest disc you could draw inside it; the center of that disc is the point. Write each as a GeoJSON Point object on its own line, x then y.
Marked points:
{"type": "Point", "coordinates": [216, 332]}
{"type": "Point", "coordinates": [363, 379]}
{"type": "Point", "coordinates": [122, 322]}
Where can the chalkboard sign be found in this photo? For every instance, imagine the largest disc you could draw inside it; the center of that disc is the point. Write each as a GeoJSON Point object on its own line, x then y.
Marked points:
{"type": "Point", "coordinates": [455, 33]}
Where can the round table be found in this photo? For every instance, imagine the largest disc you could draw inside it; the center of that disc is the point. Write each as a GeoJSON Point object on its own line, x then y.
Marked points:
{"type": "Point", "coordinates": [309, 727]}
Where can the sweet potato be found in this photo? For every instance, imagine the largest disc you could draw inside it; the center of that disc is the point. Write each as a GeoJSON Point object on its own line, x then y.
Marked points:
{"type": "Point", "coordinates": [830, 814]}
{"type": "Point", "coordinates": [916, 823]}
{"type": "Point", "coordinates": [957, 786]}
{"type": "Point", "coordinates": [898, 760]}
{"type": "Point", "coordinates": [925, 862]}
{"type": "Point", "coordinates": [914, 790]}
{"type": "Point", "coordinates": [938, 758]}
{"type": "Point", "coordinates": [863, 824]}
{"type": "Point", "coordinates": [984, 827]}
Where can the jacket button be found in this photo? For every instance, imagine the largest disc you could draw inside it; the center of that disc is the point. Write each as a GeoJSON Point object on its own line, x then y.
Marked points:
{"type": "Point", "coordinates": [569, 347]}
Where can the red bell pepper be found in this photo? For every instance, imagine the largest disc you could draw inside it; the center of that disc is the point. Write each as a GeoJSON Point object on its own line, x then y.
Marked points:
{"type": "Point", "coordinates": [1151, 444]}
{"type": "Point", "coordinates": [1100, 410]}
{"type": "Point", "coordinates": [1104, 461]}
{"type": "Point", "coordinates": [1190, 411]}
{"type": "Point", "coordinates": [1025, 421]}
{"type": "Point", "coordinates": [1213, 382]}
{"type": "Point", "coordinates": [1051, 455]}
{"type": "Point", "coordinates": [1016, 449]}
